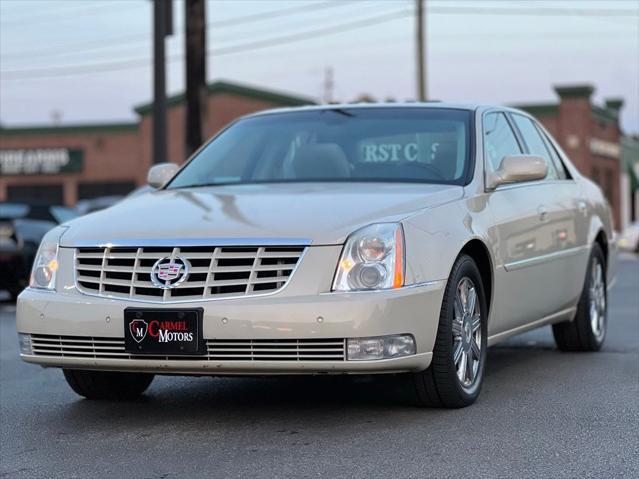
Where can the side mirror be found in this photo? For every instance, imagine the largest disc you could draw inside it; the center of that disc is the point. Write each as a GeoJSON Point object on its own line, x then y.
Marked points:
{"type": "Point", "coordinates": [517, 169]}
{"type": "Point", "coordinates": [160, 174]}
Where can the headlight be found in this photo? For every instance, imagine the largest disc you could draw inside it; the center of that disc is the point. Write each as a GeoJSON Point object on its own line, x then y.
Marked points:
{"type": "Point", "coordinates": [373, 258]}
{"type": "Point", "coordinates": [46, 265]}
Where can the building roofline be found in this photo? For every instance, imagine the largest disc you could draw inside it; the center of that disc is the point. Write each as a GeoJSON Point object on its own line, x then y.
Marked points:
{"type": "Point", "coordinates": [221, 87]}
{"type": "Point", "coordinates": [605, 115]}
{"type": "Point", "coordinates": [539, 109]}
{"type": "Point", "coordinates": [69, 129]}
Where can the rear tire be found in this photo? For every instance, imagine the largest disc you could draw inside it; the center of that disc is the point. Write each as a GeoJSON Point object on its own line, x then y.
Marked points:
{"type": "Point", "coordinates": [107, 384]}
{"type": "Point", "coordinates": [587, 331]}
{"type": "Point", "coordinates": [455, 375]}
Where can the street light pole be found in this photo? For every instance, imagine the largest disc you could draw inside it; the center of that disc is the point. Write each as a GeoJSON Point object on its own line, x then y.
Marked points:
{"type": "Point", "coordinates": [421, 50]}
{"type": "Point", "coordinates": [162, 26]}
{"type": "Point", "coordinates": [195, 47]}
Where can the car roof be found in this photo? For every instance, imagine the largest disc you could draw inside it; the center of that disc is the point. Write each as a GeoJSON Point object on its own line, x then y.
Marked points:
{"type": "Point", "coordinates": [387, 105]}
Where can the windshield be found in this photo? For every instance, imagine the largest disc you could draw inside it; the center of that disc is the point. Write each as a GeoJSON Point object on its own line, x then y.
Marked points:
{"type": "Point", "coordinates": [429, 145]}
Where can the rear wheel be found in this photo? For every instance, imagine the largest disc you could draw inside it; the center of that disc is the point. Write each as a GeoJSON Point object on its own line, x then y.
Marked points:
{"type": "Point", "coordinates": [107, 384]}
{"type": "Point", "coordinates": [587, 331]}
{"type": "Point", "coordinates": [456, 372]}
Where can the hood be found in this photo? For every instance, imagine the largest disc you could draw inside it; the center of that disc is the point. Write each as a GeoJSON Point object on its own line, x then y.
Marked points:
{"type": "Point", "coordinates": [323, 213]}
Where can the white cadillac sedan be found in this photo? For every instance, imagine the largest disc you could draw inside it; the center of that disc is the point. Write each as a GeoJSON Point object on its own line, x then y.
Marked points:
{"type": "Point", "coordinates": [342, 239]}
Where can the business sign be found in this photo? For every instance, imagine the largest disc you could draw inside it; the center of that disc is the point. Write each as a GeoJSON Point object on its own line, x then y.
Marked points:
{"type": "Point", "coordinates": [605, 148]}
{"type": "Point", "coordinates": [40, 161]}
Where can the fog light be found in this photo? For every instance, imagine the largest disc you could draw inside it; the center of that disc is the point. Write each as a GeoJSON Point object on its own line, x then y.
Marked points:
{"type": "Point", "coordinates": [24, 340]}
{"type": "Point", "coordinates": [384, 347]}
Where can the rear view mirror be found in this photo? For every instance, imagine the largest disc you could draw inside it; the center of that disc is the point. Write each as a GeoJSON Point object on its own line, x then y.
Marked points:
{"type": "Point", "coordinates": [160, 174]}
{"type": "Point", "coordinates": [517, 169]}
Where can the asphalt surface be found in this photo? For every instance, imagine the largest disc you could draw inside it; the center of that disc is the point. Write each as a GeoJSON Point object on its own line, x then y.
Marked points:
{"type": "Point", "coordinates": [541, 413]}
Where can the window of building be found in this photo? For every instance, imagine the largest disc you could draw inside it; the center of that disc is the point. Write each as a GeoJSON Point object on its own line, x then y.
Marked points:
{"type": "Point", "coordinates": [36, 193]}
{"type": "Point", "coordinates": [89, 190]}
{"type": "Point", "coordinates": [608, 185]}
{"type": "Point", "coordinates": [499, 140]}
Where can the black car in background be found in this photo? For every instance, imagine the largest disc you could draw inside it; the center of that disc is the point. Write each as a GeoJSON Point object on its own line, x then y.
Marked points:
{"type": "Point", "coordinates": [22, 227]}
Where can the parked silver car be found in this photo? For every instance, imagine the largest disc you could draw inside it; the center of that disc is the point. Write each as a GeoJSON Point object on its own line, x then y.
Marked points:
{"type": "Point", "coordinates": [337, 239]}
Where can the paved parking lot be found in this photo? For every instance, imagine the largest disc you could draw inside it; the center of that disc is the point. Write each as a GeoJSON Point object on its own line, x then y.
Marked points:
{"type": "Point", "coordinates": [541, 413]}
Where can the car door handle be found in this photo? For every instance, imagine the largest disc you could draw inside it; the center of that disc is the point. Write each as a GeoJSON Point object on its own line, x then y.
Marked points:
{"type": "Point", "coordinates": [543, 213]}
{"type": "Point", "coordinates": [582, 207]}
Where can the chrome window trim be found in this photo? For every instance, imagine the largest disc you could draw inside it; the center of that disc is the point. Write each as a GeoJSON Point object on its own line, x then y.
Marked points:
{"type": "Point", "coordinates": [187, 242]}
{"type": "Point", "coordinates": [525, 184]}
{"type": "Point", "coordinates": [178, 301]}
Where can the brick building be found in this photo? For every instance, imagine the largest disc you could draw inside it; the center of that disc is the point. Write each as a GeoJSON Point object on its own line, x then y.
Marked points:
{"type": "Point", "coordinates": [589, 134]}
{"type": "Point", "coordinates": [68, 163]}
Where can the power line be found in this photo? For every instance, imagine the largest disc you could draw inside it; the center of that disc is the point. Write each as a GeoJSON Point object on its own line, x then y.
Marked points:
{"type": "Point", "coordinates": [537, 11]}
{"type": "Point", "coordinates": [145, 61]}
{"type": "Point", "coordinates": [71, 14]}
{"type": "Point", "coordinates": [145, 37]}
{"type": "Point", "coordinates": [68, 70]}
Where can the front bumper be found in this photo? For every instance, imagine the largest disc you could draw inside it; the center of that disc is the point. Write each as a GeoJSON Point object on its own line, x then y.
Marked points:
{"type": "Point", "coordinates": [410, 310]}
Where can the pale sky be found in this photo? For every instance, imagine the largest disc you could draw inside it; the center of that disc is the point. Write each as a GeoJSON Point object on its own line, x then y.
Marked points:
{"type": "Point", "coordinates": [90, 60]}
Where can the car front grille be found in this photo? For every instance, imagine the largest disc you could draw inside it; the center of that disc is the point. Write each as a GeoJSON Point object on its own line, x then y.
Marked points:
{"type": "Point", "coordinates": [216, 349]}
{"type": "Point", "coordinates": [213, 272]}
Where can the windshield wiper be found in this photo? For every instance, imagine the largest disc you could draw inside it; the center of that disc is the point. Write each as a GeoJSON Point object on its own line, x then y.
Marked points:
{"type": "Point", "coordinates": [198, 185]}
{"type": "Point", "coordinates": [341, 111]}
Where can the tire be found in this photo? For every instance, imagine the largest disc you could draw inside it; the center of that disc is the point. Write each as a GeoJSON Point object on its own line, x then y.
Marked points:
{"type": "Point", "coordinates": [440, 385]}
{"type": "Point", "coordinates": [587, 331]}
{"type": "Point", "coordinates": [107, 384]}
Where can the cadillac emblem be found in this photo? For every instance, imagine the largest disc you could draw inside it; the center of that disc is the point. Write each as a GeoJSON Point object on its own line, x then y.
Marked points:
{"type": "Point", "coordinates": [168, 273]}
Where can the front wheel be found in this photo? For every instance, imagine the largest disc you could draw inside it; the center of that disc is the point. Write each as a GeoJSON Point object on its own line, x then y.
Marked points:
{"type": "Point", "coordinates": [455, 375]}
{"type": "Point", "coordinates": [587, 331]}
{"type": "Point", "coordinates": [107, 384]}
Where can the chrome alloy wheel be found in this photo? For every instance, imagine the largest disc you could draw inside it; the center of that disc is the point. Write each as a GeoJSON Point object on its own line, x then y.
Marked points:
{"type": "Point", "coordinates": [466, 332]}
{"type": "Point", "coordinates": [597, 298]}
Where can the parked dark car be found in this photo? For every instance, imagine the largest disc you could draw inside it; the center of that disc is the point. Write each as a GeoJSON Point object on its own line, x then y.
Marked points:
{"type": "Point", "coordinates": [22, 226]}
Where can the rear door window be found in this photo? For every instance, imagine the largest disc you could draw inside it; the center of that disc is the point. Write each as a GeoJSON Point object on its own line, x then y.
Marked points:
{"type": "Point", "coordinates": [562, 173]}
{"type": "Point", "coordinates": [535, 143]}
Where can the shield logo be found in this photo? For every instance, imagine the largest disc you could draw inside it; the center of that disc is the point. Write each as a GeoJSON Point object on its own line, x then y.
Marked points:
{"type": "Point", "coordinates": [138, 329]}
{"type": "Point", "coordinates": [169, 272]}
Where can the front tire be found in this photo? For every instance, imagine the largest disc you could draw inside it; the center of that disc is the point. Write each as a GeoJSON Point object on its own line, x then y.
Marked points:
{"type": "Point", "coordinates": [587, 331]}
{"type": "Point", "coordinates": [107, 384]}
{"type": "Point", "coordinates": [455, 375]}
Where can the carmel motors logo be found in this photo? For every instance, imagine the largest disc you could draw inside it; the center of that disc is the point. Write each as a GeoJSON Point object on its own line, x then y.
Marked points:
{"type": "Point", "coordinates": [162, 331]}
{"type": "Point", "coordinates": [168, 273]}
{"type": "Point", "coordinates": [138, 329]}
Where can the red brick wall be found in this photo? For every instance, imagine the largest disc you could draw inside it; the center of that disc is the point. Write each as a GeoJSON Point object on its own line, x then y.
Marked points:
{"type": "Point", "coordinates": [108, 157]}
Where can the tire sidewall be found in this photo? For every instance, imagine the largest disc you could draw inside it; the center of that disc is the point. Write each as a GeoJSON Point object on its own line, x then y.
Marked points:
{"type": "Point", "coordinates": [596, 341]}
{"type": "Point", "coordinates": [465, 267]}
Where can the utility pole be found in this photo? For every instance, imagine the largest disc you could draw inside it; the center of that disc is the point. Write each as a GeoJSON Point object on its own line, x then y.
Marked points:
{"type": "Point", "coordinates": [195, 47]}
{"type": "Point", "coordinates": [162, 27]}
{"type": "Point", "coordinates": [328, 85]}
{"type": "Point", "coordinates": [421, 50]}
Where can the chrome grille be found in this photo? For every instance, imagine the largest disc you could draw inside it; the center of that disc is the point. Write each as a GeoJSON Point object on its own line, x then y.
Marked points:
{"type": "Point", "coordinates": [213, 272]}
{"type": "Point", "coordinates": [217, 349]}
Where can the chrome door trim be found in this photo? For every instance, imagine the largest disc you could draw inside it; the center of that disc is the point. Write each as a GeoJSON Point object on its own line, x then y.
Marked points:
{"type": "Point", "coordinates": [524, 263]}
